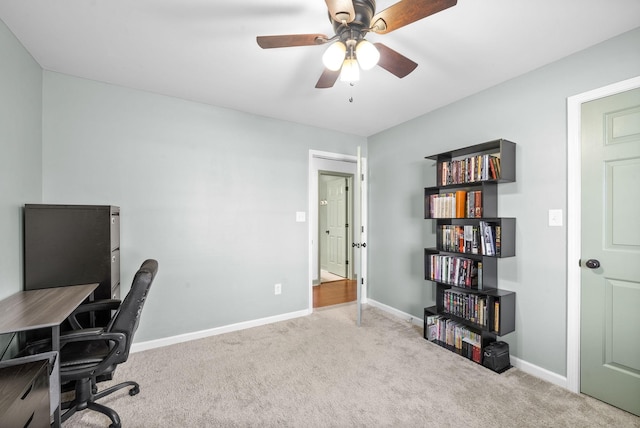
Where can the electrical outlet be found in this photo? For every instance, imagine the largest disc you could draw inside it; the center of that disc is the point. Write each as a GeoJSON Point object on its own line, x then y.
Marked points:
{"type": "Point", "coordinates": [277, 289]}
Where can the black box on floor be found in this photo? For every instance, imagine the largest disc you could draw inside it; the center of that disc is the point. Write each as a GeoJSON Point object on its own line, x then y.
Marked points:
{"type": "Point", "coordinates": [496, 356]}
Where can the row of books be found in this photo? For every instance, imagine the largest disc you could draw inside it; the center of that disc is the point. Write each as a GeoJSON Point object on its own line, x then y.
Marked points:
{"type": "Point", "coordinates": [459, 204]}
{"type": "Point", "coordinates": [469, 170]}
{"type": "Point", "coordinates": [451, 333]}
{"type": "Point", "coordinates": [471, 307]}
{"type": "Point", "coordinates": [471, 239]}
{"type": "Point", "coordinates": [458, 271]}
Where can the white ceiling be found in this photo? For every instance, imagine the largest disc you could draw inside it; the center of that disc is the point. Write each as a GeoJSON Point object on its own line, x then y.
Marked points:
{"type": "Point", "coordinates": [206, 51]}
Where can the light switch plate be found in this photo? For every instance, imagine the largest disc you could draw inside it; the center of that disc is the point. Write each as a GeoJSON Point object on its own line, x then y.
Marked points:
{"type": "Point", "coordinates": [301, 216]}
{"type": "Point", "coordinates": [555, 217]}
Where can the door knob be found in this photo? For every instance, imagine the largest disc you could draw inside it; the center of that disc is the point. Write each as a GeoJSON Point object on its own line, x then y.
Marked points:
{"type": "Point", "coordinates": [593, 264]}
{"type": "Point", "coordinates": [327, 232]}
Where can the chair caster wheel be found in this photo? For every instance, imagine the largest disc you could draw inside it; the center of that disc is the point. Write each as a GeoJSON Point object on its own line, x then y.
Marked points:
{"type": "Point", "coordinates": [133, 391]}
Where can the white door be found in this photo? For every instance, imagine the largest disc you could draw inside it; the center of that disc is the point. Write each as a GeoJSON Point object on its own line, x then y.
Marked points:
{"type": "Point", "coordinates": [337, 226]}
{"type": "Point", "coordinates": [360, 236]}
{"type": "Point", "coordinates": [610, 253]}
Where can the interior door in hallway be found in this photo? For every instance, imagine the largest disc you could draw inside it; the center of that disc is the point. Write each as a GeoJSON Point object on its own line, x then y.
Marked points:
{"type": "Point", "coordinates": [610, 253]}
{"type": "Point", "coordinates": [337, 226]}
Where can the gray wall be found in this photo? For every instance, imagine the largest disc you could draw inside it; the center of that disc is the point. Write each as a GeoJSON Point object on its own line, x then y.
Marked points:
{"type": "Point", "coordinates": [20, 152]}
{"type": "Point", "coordinates": [211, 193]}
{"type": "Point", "coordinates": [531, 111]}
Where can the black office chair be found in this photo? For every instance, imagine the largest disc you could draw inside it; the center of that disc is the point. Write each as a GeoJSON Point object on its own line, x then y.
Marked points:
{"type": "Point", "coordinates": [86, 355]}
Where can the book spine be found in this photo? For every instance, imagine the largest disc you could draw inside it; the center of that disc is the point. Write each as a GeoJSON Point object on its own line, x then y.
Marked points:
{"type": "Point", "coordinates": [488, 239]}
{"type": "Point", "coordinates": [432, 205]}
{"type": "Point", "coordinates": [461, 197]}
{"type": "Point", "coordinates": [492, 168]}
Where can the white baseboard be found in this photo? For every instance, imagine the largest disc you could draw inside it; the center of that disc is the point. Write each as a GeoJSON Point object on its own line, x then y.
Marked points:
{"type": "Point", "coordinates": [393, 311]}
{"type": "Point", "coordinates": [539, 372]}
{"type": "Point", "coordinates": [166, 341]}
{"type": "Point", "coordinates": [523, 365]}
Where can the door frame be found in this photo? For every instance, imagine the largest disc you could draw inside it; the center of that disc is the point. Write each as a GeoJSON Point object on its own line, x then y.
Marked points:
{"type": "Point", "coordinates": [574, 215]}
{"type": "Point", "coordinates": [320, 161]}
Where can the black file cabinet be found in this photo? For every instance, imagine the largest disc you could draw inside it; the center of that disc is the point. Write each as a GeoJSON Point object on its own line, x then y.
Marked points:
{"type": "Point", "coordinates": [71, 245]}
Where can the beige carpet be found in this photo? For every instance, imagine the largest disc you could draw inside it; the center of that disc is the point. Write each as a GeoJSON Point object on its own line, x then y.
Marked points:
{"type": "Point", "coordinates": [323, 371]}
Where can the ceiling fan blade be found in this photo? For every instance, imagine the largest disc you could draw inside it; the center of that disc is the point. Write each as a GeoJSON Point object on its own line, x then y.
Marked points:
{"type": "Point", "coordinates": [407, 11]}
{"type": "Point", "coordinates": [394, 62]}
{"type": "Point", "coordinates": [289, 40]}
{"type": "Point", "coordinates": [341, 10]}
{"type": "Point", "coordinates": [327, 79]}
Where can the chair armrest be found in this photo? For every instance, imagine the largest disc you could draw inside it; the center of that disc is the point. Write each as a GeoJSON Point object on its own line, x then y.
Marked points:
{"type": "Point", "coordinates": [44, 345]}
{"type": "Point", "coordinates": [76, 335]}
{"type": "Point", "coordinates": [98, 305]}
{"type": "Point", "coordinates": [119, 341]}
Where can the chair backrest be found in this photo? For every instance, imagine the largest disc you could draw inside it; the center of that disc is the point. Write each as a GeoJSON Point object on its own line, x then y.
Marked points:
{"type": "Point", "coordinates": [127, 317]}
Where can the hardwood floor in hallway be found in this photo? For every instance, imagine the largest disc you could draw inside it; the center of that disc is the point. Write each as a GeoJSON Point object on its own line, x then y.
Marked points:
{"type": "Point", "coordinates": [334, 293]}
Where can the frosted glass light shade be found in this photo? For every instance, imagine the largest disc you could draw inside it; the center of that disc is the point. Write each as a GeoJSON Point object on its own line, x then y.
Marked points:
{"type": "Point", "coordinates": [334, 56]}
{"type": "Point", "coordinates": [367, 54]}
{"type": "Point", "coordinates": [350, 71]}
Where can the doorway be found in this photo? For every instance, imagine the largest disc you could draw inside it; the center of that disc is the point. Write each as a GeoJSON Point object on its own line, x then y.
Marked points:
{"type": "Point", "coordinates": [335, 221]}
{"type": "Point", "coordinates": [339, 165]}
{"type": "Point", "coordinates": [576, 217]}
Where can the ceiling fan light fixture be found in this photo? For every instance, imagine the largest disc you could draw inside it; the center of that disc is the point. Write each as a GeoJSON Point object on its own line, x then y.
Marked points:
{"type": "Point", "coordinates": [350, 71]}
{"type": "Point", "coordinates": [333, 57]}
{"type": "Point", "coordinates": [367, 54]}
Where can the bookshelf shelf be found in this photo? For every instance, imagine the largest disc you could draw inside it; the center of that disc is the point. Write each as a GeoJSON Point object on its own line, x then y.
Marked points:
{"type": "Point", "coordinates": [470, 310]}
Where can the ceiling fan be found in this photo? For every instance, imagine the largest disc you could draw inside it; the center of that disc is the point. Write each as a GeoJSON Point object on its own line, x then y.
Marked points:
{"type": "Point", "coordinates": [349, 50]}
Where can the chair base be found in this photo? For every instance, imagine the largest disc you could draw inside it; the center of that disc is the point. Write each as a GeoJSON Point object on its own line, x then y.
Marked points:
{"type": "Point", "coordinates": [85, 398]}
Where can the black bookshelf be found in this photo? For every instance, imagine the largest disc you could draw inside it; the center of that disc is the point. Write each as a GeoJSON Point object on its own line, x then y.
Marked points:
{"type": "Point", "coordinates": [470, 310]}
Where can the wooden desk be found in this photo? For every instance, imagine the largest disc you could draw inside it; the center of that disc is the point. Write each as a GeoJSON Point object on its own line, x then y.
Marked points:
{"type": "Point", "coordinates": [43, 308]}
